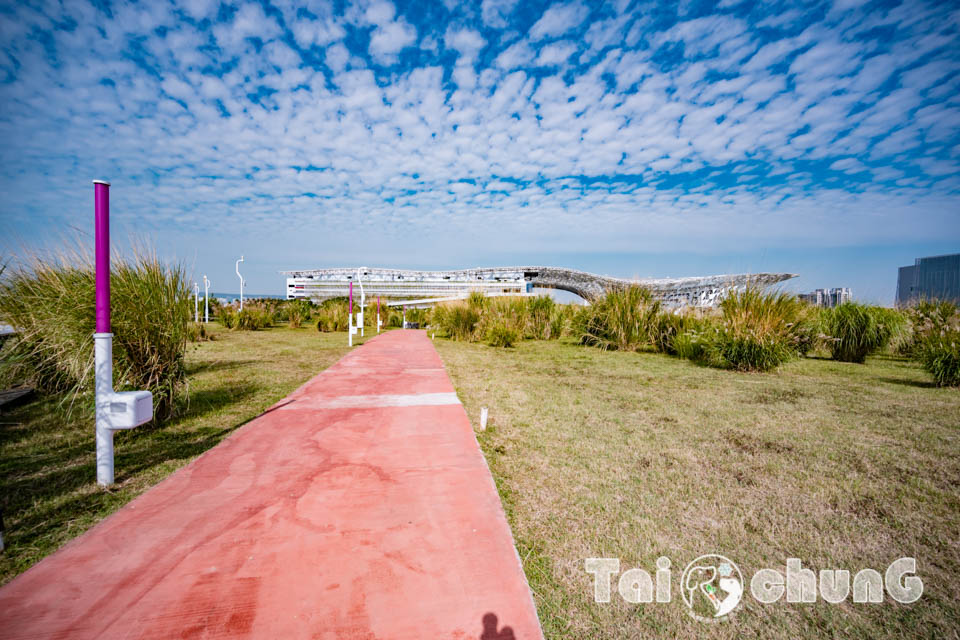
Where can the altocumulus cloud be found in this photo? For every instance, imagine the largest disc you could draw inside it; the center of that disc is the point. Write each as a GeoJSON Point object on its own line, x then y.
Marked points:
{"type": "Point", "coordinates": [610, 125]}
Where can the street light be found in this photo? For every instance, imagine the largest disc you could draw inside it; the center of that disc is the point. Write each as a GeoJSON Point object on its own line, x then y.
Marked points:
{"type": "Point", "coordinates": [206, 299]}
{"type": "Point", "coordinates": [241, 282]}
{"type": "Point", "coordinates": [363, 302]}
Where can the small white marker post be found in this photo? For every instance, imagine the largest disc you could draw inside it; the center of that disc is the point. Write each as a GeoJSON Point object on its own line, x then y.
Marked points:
{"type": "Point", "coordinates": [379, 322]}
{"type": "Point", "coordinates": [196, 302]}
{"type": "Point", "coordinates": [206, 299]}
{"type": "Point", "coordinates": [241, 282]}
{"type": "Point", "coordinates": [483, 418]}
{"type": "Point", "coordinates": [114, 410]}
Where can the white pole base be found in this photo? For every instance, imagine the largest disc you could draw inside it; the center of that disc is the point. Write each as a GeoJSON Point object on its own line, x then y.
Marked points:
{"type": "Point", "coordinates": [114, 410]}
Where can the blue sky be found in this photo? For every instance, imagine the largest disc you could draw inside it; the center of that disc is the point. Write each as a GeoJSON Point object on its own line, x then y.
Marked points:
{"type": "Point", "coordinates": [635, 139]}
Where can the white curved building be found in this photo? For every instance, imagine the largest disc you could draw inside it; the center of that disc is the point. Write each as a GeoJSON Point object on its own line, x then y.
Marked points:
{"type": "Point", "coordinates": [423, 288]}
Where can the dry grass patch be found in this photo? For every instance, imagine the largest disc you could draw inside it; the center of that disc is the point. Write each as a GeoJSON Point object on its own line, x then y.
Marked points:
{"type": "Point", "coordinates": [638, 456]}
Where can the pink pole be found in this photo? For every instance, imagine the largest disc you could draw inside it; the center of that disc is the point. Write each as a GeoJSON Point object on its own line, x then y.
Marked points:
{"type": "Point", "coordinates": [101, 223]}
{"type": "Point", "coordinates": [351, 296]}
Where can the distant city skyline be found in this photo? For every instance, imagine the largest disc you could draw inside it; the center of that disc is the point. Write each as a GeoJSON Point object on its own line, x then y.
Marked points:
{"type": "Point", "coordinates": [623, 138]}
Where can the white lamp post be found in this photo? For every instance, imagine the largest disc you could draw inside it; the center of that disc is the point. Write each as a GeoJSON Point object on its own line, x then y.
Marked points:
{"type": "Point", "coordinates": [363, 302]}
{"type": "Point", "coordinates": [206, 299]}
{"type": "Point", "coordinates": [196, 302]}
{"type": "Point", "coordinates": [241, 282]}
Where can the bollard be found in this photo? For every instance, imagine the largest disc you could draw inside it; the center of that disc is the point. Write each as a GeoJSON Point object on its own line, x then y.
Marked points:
{"type": "Point", "coordinates": [114, 410]}
{"type": "Point", "coordinates": [378, 314]}
{"type": "Point", "coordinates": [483, 418]}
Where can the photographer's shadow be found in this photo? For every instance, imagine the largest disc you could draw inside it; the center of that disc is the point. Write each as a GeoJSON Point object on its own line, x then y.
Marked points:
{"type": "Point", "coordinates": [490, 631]}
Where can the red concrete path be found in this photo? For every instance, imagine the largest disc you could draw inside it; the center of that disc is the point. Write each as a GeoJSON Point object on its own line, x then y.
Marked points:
{"type": "Point", "coordinates": [358, 507]}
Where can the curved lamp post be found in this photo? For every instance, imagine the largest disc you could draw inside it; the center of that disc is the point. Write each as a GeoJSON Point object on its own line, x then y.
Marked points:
{"type": "Point", "coordinates": [114, 410]}
{"type": "Point", "coordinates": [206, 299]}
{"type": "Point", "coordinates": [363, 303]}
{"type": "Point", "coordinates": [241, 282]}
{"type": "Point", "coordinates": [351, 329]}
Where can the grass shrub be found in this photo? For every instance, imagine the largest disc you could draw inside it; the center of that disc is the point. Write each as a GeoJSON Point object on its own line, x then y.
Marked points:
{"type": "Point", "coordinates": [560, 319]}
{"type": "Point", "coordinates": [923, 319]}
{"type": "Point", "coordinates": [940, 355]}
{"type": "Point", "coordinates": [298, 312]}
{"type": "Point", "coordinates": [853, 330]}
{"type": "Point", "coordinates": [228, 317]}
{"type": "Point", "coordinates": [50, 299]}
{"type": "Point", "coordinates": [254, 317]}
{"type": "Point", "coordinates": [691, 344]}
{"type": "Point", "coordinates": [420, 316]}
{"type": "Point", "coordinates": [751, 331]}
{"type": "Point", "coordinates": [622, 319]}
{"type": "Point", "coordinates": [503, 322]}
{"type": "Point", "coordinates": [197, 332]}
{"type": "Point", "coordinates": [457, 320]}
{"type": "Point", "coordinates": [333, 315]}
{"type": "Point", "coordinates": [395, 318]}
{"type": "Point", "coordinates": [477, 300]}
{"type": "Point", "coordinates": [370, 314]}
{"type": "Point", "coordinates": [665, 330]}
{"type": "Point", "coordinates": [501, 333]}
{"type": "Point", "coordinates": [540, 317]}
{"type": "Point", "coordinates": [757, 330]}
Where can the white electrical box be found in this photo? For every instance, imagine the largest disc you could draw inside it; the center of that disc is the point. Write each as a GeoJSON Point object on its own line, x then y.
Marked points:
{"type": "Point", "coordinates": [127, 409]}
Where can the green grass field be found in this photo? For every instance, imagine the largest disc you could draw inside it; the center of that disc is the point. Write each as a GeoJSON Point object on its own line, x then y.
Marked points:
{"type": "Point", "coordinates": [637, 456]}
{"type": "Point", "coordinates": [48, 488]}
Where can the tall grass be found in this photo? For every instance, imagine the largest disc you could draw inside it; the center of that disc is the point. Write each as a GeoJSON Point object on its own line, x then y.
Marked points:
{"type": "Point", "coordinates": [540, 316]}
{"type": "Point", "coordinates": [298, 312]}
{"type": "Point", "coordinates": [923, 319]}
{"type": "Point", "coordinates": [50, 300]}
{"type": "Point", "coordinates": [500, 320]}
{"type": "Point", "coordinates": [753, 331]}
{"type": "Point", "coordinates": [940, 355]}
{"type": "Point", "coordinates": [853, 330]}
{"type": "Point", "coordinates": [932, 336]}
{"type": "Point", "coordinates": [333, 315]}
{"type": "Point", "coordinates": [503, 322]}
{"type": "Point", "coordinates": [254, 317]}
{"type": "Point", "coordinates": [622, 319]}
{"type": "Point", "coordinates": [456, 320]}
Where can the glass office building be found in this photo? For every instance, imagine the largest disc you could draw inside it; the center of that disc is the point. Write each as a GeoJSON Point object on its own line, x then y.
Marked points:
{"type": "Point", "coordinates": [931, 278]}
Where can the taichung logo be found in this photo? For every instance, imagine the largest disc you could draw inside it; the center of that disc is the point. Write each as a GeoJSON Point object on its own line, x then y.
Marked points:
{"type": "Point", "coordinates": [712, 585]}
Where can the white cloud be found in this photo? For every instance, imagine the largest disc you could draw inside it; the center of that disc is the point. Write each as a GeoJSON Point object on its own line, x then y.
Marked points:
{"type": "Point", "coordinates": [555, 54]}
{"type": "Point", "coordinates": [558, 20]}
{"type": "Point", "coordinates": [516, 55]}
{"type": "Point", "coordinates": [466, 41]}
{"type": "Point", "coordinates": [496, 12]}
{"type": "Point", "coordinates": [390, 38]}
{"type": "Point", "coordinates": [249, 22]}
{"type": "Point", "coordinates": [316, 32]}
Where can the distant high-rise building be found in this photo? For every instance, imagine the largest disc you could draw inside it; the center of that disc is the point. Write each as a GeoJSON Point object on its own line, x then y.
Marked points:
{"type": "Point", "coordinates": [931, 278]}
{"type": "Point", "coordinates": [827, 297]}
